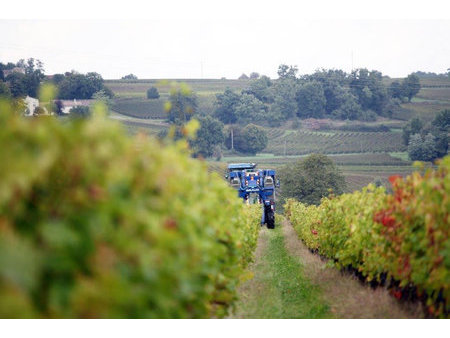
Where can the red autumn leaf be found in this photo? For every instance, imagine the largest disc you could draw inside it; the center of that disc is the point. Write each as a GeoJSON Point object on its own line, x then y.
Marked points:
{"type": "Point", "coordinates": [388, 221]}
{"type": "Point", "coordinates": [394, 178]}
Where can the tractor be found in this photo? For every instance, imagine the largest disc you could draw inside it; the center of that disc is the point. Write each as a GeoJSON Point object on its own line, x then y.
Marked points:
{"type": "Point", "coordinates": [255, 186]}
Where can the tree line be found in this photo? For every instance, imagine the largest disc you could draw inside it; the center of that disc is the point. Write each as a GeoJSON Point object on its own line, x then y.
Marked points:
{"type": "Point", "coordinates": [25, 77]}
{"type": "Point", "coordinates": [359, 95]}
{"type": "Point", "coordinates": [212, 135]}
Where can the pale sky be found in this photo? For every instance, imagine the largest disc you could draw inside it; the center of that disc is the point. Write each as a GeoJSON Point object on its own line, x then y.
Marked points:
{"type": "Point", "coordinates": [215, 48]}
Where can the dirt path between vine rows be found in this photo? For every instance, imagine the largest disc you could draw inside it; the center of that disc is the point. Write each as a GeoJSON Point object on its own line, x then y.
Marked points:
{"type": "Point", "coordinates": [345, 294]}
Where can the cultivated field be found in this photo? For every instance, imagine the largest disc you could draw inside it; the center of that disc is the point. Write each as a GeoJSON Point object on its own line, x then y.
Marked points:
{"type": "Point", "coordinates": [364, 151]}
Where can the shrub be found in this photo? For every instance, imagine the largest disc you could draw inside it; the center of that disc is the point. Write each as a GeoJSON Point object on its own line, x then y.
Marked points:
{"type": "Point", "coordinates": [80, 112]}
{"type": "Point", "coordinates": [310, 179]}
{"type": "Point", "coordinates": [152, 93]}
{"type": "Point", "coordinates": [253, 139]}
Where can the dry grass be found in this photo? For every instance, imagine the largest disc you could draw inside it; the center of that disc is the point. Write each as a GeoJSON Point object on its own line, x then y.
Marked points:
{"type": "Point", "coordinates": [348, 298]}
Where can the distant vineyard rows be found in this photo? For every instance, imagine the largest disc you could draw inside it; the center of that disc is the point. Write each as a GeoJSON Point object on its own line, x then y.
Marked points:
{"type": "Point", "coordinates": [304, 142]}
{"type": "Point", "coordinates": [141, 108]}
{"type": "Point", "coordinates": [154, 109]}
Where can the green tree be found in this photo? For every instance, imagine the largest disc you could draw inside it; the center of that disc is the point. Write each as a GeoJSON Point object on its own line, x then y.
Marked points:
{"type": "Point", "coordinates": [243, 77]}
{"type": "Point", "coordinates": [285, 103]}
{"type": "Point", "coordinates": [152, 93]}
{"type": "Point", "coordinates": [249, 109]}
{"type": "Point", "coordinates": [5, 92]}
{"type": "Point", "coordinates": [333, 82]}
{"type": "Point", "coordinates": [311, 179]}
{"type": "Point", "coordinates": [422, 149]}
{"type": "Point", "coordinates": [250, 140]}
{"type": "Point", "coordinates": [311, 100]}
{"type": "Point", "coordinates": [254, 75]}
{"type": "Point", "coordinates": [209, 135]}
{"type": "Point", "coordinates": [80, 86]}
{"type": "Point", "coordinates": [59, 107]}
{"type": "Point", "coordinates": [225, 106]}
{"type": "Point", "coordinates": [350, 109]}
{"type": "Point", "coordinates": [17, 84]}
{"type": "Point", "coordinates": [415, 147]}
{"type": "Point", "coordinates": [442, 120]}
{"type": "Point", "coordinates": [411, 86]}
{"type": "Point", "coordinates": [27, 83]}
{"type": "Point", "coordinates": [368, 87]}
{"type": "Point", "coordinates": [261, 89]}
{"type": "Point", "coordinates": [285, 71]}
{"type": "Point", "coordinates": [440, 128]}
{"type": "Point", "coordinates": [57, 79]}
{"type": "Point", "coordinates": [415, 126]}
{"type": "Point", "coordinates": [396, 90]}
{"type": "Point", "coordinates": [429, 152]}
{"type": "Point", "coordinates": [34, 72]}
{"type": "Point", "coordinates": [129, 77]}
{"type": "Point", "coordinates": [182, 104]}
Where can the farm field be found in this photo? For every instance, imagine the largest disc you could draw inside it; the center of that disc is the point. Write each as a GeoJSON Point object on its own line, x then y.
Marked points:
{"type": "Point", "coordinates": [140, 108]}
{"type": "Point", "coordinates": [362, 156]}
{"type": "Point", "coordinates": [131, 100]}
{"type": "Point", "coordinates": [225, 161]}
{"type": "Point", "coordinates": [364, 159]}
{"type": "Point", "coordinates": [304, 142]}
{"type": "Point", "coordinates": [138, 88]}
{"type": "Point", "coordinates": [134, 125]}
{"type": "Point", "coordinates": [358, 169]}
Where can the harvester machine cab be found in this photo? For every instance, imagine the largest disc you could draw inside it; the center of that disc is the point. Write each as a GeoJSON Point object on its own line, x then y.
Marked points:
{"type": "Point", "coordinates": [255, 186]}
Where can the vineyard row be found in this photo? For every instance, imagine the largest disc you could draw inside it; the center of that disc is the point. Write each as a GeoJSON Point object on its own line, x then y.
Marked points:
{"type": "Point", "coordinates": [400, 240]}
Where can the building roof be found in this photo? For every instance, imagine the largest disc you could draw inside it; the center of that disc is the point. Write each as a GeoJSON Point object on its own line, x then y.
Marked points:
{"type": "Point", "coordinates": [6, 72]}
{"type": "Point", "coordinates": [75, 103]}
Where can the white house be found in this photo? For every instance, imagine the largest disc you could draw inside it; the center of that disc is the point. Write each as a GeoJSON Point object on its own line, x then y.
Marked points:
{"type": "Point", "coordinates": [67, 105]}
{"type": "Point", "coordinates": [31, 104]}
